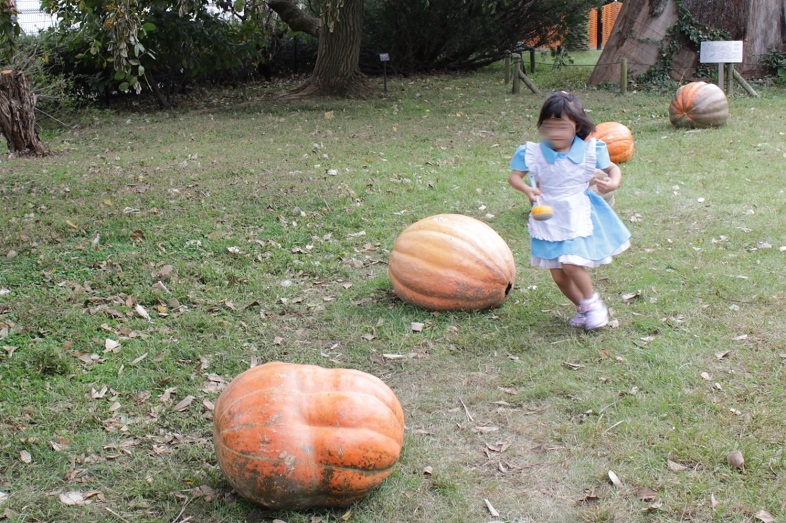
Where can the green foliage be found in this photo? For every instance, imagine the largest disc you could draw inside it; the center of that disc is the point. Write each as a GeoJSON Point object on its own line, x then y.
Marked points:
{"type": "Point", "coordinates": [427, 35]}
{"type": "Point", "coordinates": [687, 31]}
{"type": "Point", "coordinates": [775, 62]}
{"type": "Point", "coordinates": [53, 91]}
{"type": "Point", "coordinates": [131, 45]}
{"type": "Point", "coordinates": [9, 31]}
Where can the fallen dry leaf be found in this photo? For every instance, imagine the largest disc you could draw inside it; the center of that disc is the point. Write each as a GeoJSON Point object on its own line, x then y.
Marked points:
{"type": "Point", "coordinates": [100, 393]}
{"type": "Point", "coordinates": [165, 272]}
{"type": "Point", "coordinates": [764, 516]}
{"type": "Point", "coordinates": [184, 404]}
{"type": "Point", "coordinates": [72, 498]}
{"type": "Point", "coordinates": [417, 326]}
{"type": "Point", "coordinates": [25, 457]}
{"type": "Point", "coordinates": [721, 355]}
{"type": "Point", "coordinates": [205, 492]}
{"type": "Point", "coordinates": [713, 502]}
{"type": "Point", "coordinates": [646, 494]}
{"type": "Point", "coordinates": [137, 360]}
{"type": "Point", "coordinates": [615, 479]}
{"type": "Point", "coordinates": [427, 471]}
{"type": "Point", "coordinates": [631, 295]}
{"type": "Point", "coordinates": [590, 496]}
{"type": "Point", "coordinates": [491, 508]}
{"type": "Point", "coordinates": [346, 515]}
{"type": "Point", "coordinates": [111, 345]}
{"type": "Point", "coordinates": [164, 397]}
{"type": "Point", "coordinates": [736, 460]}
{"type": "Point", "coordinates": [676, 467]}
{"type": "Point", "coordinates": [142, 312]}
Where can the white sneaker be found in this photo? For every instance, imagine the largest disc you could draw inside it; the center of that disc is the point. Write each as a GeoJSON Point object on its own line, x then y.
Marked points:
{"type": "Point", "coordinates": [596, 314]}
{"type": "Point", "coordinates": [580, 319]}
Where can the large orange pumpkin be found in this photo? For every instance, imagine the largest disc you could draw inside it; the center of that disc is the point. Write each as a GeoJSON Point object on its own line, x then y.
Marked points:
{"type": "Point", "coordinates": [451, 262]}
{"type": "Point", "coordinates": [294, 436]}
{"type": "Point", "coordinates": [618, 138]}
{"type": "Point", "coordinates": [699, 104]}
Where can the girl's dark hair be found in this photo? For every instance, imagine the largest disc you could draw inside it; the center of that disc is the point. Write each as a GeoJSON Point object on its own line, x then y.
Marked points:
{"type": "Point", "coordinates": [562, 103]}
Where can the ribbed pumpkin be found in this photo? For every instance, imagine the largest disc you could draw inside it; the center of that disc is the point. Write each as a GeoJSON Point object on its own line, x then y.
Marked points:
{"type": "Point", "coordinates": [451, 262]}
{"type": "Point", "coordinates": [294, 436]}
{"type": "Point", "coordinates": [699, 104]}
{"type": "Point", "coordinates": [618, 138]}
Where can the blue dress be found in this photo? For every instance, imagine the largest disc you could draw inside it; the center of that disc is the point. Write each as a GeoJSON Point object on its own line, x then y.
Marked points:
{"type": "Point", "coordinates": [584, 229]}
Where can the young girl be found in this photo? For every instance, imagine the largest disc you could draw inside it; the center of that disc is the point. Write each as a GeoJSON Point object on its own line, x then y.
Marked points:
{"type": "Point", "coordinates": [584, 231]}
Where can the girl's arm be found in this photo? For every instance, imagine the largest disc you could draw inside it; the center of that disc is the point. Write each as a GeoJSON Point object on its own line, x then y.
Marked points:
{"type": "Point", "coordinates": [516, 180]}
{"type": "Point", "coordinates": [606, 185]}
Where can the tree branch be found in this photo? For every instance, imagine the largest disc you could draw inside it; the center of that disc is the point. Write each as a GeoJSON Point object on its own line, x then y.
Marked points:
{"type": "Point", "coordinates": [296, 18]}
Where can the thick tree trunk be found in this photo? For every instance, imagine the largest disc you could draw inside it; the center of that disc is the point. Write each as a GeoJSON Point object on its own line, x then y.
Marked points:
{"type": "Point", "coordinates": [296, 18]}
{"type": "Point", "coordinates": [636, 36]}
{"type": "Point", "coordinates": [17, 115]}
{"type": "Point", "coordinates": [337, 71]}
{"type": "Point", "coordinates": [641, 25]}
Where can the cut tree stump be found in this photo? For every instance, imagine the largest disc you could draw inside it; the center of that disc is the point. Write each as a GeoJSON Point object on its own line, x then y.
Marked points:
{"type": "Point", "coordinates": [17, 115]}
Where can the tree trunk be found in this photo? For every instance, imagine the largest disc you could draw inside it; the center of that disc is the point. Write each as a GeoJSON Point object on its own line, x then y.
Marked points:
{"type": "Point", "coordinates": [17, 115]}
{"type": "Point", "coordinates": [641, 25]}
{"type": "Point", "coordinates": [337, 70]}
{"type": "Point", "coordinates": [295, 17]}
{"type": "Point", "coordinates": [637, 36]}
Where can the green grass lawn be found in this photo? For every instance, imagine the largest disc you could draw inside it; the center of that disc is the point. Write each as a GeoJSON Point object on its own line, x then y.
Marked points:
{"type": "Point", "coordinates": [230, 228]}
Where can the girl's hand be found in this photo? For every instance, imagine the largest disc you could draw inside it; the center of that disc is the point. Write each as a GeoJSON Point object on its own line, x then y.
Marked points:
{"type": "Point", "coordinates": [606, 185]}
{"type": "Point", "coordinates": [608, 179]}
{"type": "Point", "coordinates": [516, 180]}
{"type": "Point", "coordinates": [532, 193]}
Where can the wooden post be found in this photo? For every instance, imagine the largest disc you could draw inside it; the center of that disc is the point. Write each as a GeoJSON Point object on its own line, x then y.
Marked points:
{"type": "Point", "coordinates": [507, 67]}
{"type": "Point", "coordinates": [624, 77]}
{"type": "Point", "coordinates": [17, 115]}
{"type": "Point", "coordinates": [729, 80]}
{"type": "Point", "coordinates": [745, 85]}
{"type": "Point", "coordinates": [516, 68]}
{"type": "Point", "coordinates": [532, 60]}
{"type": "Point", "coordinates": [524, 78]}
{"type": "Point", "coordinates": [720, 77]}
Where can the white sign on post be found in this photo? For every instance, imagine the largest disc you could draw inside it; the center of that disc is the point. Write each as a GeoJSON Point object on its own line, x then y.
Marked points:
{"type": "Point", "coordinates": [729, 52]}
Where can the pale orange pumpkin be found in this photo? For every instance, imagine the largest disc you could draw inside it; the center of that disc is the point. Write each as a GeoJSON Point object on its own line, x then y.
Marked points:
{"type": "Point", "coordinates": [618, 138]}
{"type": "Point", "coordinates": [292, 436]}
{"type": "Point", "coordinates": [451, 262]}
{"type": "Point", "coordinates": [699, 104]}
